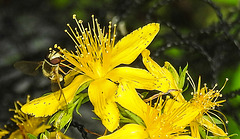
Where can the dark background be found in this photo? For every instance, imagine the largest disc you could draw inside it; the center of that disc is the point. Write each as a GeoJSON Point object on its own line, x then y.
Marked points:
{"type": "Point", "coordinates": [202, 33]}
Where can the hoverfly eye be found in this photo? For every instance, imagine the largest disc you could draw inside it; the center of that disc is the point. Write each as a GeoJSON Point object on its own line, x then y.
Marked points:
{"type": "Point", "coordinates": [55, 61]}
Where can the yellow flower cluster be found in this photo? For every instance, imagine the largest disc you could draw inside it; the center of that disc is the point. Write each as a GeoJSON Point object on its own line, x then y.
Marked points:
{"type": "Point", "coordinates": [29, 126]}
{"type": "Point", "coordinates": [101, 63]}
{"type": "Point", "coordinates": [169, 118]}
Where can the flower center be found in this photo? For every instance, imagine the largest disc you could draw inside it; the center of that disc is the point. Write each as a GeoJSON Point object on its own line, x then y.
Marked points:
{"type": "Point", "coordinates": [93, 48]}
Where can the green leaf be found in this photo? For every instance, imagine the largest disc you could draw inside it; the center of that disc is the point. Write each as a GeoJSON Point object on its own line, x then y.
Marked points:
{"type": "Point", "coordinates": [185, 88]}
{"type": "Point", "coordinates": [54, 117]}
{"type": "Point", "coordinates": [125, 120]}
{"type": "Point", "coordinates": [172, 70]}
{"type": "Point", "coordinates": [63, 117]}
{"type": "Point", "coordinates": [66, 119]}
{"type": "Point", "coordinates": [220, 137]}
{"type": "Point", "coordinates": [81, 97]}
{"type": "Point", "coordinates": [31, 136]}
{"type": "Point", "coordinates": [122, 111]}
{"type": "Point", "coordinates": [124, 116]}
{"type": "Point", "coordinates": [96, 118]}
{"type": "Point", "coordinates": [202, 132]}
{"type": "Point", "coordinates": [86, 99]}
{"type": "Point", "coordinates": [134, 117]}
{"type": "Point", "coordinates": [144, 94]}
{"type": "Point", "coordinates": [182, 74]}
{"type": "Point", "coordinates": [214, 119]}
{"type": "Point", "coordinates": [45, 135]}
{"type": "Point", "coordinates": [82, 87]}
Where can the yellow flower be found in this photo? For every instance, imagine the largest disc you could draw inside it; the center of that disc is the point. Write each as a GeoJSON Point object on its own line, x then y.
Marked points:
{"type": "Point", "coordinates": [3, 132]}
{"type": "Point", "coordinates": [28, 125]}
{"type": "Point", "coordinates": [49, 104]}
{"type": "Point", "coordinates": [163, 72]}
{"type": "Point", "coordinates": [167, 119]}
{"type": "Point", "coordinates": [205, 100]}
{"type": "Point", "coordinates": [97, 57]}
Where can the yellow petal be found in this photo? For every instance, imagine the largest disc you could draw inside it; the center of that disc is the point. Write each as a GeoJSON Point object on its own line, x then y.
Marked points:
{"type": "Point", "coordinates": [58, 135]}
{"type": "Point", "coordinates": [156, 70]}
{"type": "Point", "coordinates": [128, 97]}
{"type": "Point", "coordinates": [129, 47]}
{"type": "Point", "coordinates": [129, 131]}
{"type": "Point", "coordinates": [161, 72]}
{"type": "Point", "coordinates": [70, 76]}
{"type": "Point", "coordinates": [101, 94]}
{"type": "Point", "coordinates": [3, 132]}
{"type": "Point", "coordinates": [194, 126]}
{"type": "Point", "coordinates": [36, 130]}
{"type": "Point", "coordinates": [185, 137]}
{"type": "Point", "coordinates": [217, 131]}
{"type": "Point", "coordinates": [183, 112]}
{"type": "Point", "coordinates": [49, 104]}
{"type": "Point", "coordinates": [16, 135]}
{"type": "Point", "coordinates": [139, 78]}
{"type": "Point", "coordinates": [152, 66]}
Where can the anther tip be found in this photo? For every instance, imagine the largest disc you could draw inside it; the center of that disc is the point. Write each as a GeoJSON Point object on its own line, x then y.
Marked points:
{"type": "Point", "coordinates": [74, 16]}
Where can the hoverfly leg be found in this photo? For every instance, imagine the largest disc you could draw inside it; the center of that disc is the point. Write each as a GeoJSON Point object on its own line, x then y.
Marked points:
{"type": "Point", "coordinates": [65, 73]}
{"type": "Point", "coordinates": [159, 94]}
{"type": "Point", "coordinates": [59, 78]}
{"type": "Point", "coordinates": [40, 64]}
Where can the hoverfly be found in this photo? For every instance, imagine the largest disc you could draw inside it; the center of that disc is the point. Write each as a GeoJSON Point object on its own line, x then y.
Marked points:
{"type": "Point", "coordinates": [50, 69]}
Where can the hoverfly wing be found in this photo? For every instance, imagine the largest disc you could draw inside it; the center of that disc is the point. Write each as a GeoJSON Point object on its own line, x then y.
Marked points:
{"type": "Point", "coordinates": [28, 67]}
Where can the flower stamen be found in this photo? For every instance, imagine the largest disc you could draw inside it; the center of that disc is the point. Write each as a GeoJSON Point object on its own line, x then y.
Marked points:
{"type": "Point", "coordinates": [93, 48]}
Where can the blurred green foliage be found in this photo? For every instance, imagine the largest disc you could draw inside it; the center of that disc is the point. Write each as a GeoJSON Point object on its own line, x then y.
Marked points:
{"type": "Point", "coordinates": [227, 2]}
